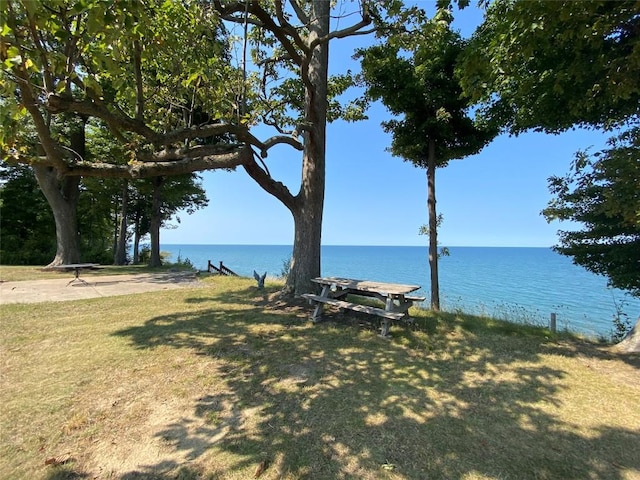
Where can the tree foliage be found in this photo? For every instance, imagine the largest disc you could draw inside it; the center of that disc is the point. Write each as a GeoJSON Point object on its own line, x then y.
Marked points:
{"type": "Point", "coordinates": [551, 66]}
{"type": "Point", "coordinates": [27, 235]}
{"type": "Point", "coordinates": [141, 70]}
{"type": "Point", "coordinates": [154, 78]}
{"type": "Point", "coordinates": [602, 193]}
{"type": "Point", "coordinates": [413, 75]}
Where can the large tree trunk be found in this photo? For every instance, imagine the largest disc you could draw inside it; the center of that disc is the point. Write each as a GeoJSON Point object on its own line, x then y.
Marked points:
{"type": "Point", "coordinates": [156, 222]}
{"type": "Point", "coordinates": [309, 203]}
{"type": "Point", "coordinates": [305, 261]}
{"type": "Point", "coordinates": [433, 226]}
{"type": "Point", "coordinates": [121, 248]}
{"type": "Point", "coordinates": [62, 195]}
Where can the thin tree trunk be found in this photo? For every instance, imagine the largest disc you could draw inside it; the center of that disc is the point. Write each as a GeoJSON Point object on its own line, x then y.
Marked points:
{"type": "Point", "coordinates": [114, 238]}
{"type": "Point", "coordinates": [433, 226]}
{"type": "Point", "coordinates": [136, 239]}
{"type": "Point", "coordinates": [156, 222]}
{"type": "Point", "coordinates": [121, 250]}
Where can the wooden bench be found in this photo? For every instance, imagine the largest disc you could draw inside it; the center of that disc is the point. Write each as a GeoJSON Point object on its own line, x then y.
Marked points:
{"type": "Point", "coordinates": [356, 307]}
{"type": "Point", "coordinates": [414, 298]}
{"type": "Point", "coordinates": [380, 312]}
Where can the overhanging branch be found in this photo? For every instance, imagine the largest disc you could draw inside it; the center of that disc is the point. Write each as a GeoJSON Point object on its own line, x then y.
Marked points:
{"type": "Point", "coordinates": [59, 104]}
{"type": "Point", "coordinates": [153, 169]}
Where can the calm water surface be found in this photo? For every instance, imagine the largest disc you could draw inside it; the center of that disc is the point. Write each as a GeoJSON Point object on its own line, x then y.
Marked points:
{"type": "Point", "coordinates": [521, 284]}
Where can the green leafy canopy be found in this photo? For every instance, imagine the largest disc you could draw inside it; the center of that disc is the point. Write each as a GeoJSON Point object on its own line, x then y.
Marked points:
{"type": "Point", "coordinates": [602, 193]}
{"type": "Point", "coordinates": [551, 66]}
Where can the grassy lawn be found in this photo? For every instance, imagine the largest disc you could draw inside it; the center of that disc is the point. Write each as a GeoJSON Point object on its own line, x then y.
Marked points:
{"type": "Point", "coordinates": [222, 382]}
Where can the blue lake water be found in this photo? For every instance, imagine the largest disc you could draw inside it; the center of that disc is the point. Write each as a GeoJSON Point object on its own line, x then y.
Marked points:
{"type": "Point", "coordinates": [520, 284]}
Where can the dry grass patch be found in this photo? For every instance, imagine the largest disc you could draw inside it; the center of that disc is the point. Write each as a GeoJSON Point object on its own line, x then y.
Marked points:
{"type": "Point", "coordinates": [223, 382]}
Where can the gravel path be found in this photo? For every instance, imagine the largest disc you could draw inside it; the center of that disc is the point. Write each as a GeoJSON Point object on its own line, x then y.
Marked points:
{"type": "Point", "coordinates": [58, 290]}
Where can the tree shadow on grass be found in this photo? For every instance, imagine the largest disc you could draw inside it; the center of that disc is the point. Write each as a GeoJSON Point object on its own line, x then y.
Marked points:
{"type": "Point", "coordinates": [332, 401]}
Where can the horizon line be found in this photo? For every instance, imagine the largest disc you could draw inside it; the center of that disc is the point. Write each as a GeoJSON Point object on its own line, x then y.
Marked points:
{"type": "Point", "coordinates": [351, 245]}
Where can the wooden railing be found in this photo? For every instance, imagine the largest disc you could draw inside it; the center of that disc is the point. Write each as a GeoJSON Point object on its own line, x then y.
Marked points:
{"type": "Point", "coordinates": [221, 270]}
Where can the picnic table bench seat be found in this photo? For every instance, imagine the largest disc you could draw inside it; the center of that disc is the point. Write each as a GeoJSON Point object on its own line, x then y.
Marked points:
{"type": "Point", "coordinates": [381, 312]}
{"type": "Point", "coordinates": [415, 298]}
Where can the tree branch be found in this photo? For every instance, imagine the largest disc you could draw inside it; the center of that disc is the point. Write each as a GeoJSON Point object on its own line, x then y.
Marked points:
{"type": "Point", "coordinates": [304, 19]}
{"type": "Point", "coordinates": [139, 169]}
{"type": "Point", "coordinates": [47, 76]}
{"type": "Point", "coordinates": [59, 104]}
{"type": "Point", "coordinates": [264, 21]}
{"type": "Point", "coordinates": [275, 188]}
{"type": "Point", "coordinates": [29, 101]}
{"type": "Point", "coordinates": [287, 27]}
{"type": "Point", "coordinates": [137, 67]}
{"type": "Point", "coordinates": [278, 139]}
{"type": "Point", "coordinates": [178, 154]}
{"type": "Point", "coordinates": [353, 30]}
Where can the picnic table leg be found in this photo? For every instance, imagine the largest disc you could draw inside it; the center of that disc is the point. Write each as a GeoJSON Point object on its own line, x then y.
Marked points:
{"type": "Point", "coordinates": [384, 324]}
{"type": "Point", "coordinates": [317, 312]}
{"type": "Point", "coordinates": [390, 306]}
{"type": "Point", "coordinates": [77, 278]}
{"type": "Point", "coordinates": [384, 328]}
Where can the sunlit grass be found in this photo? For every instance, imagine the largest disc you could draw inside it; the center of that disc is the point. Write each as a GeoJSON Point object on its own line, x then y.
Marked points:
{"type": "Point", "coordinates": [213, 382]}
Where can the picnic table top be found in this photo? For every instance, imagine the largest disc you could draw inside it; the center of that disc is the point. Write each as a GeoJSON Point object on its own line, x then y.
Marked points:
{"type": "Point", "coordinates": [76, 265]}
{"type": "Point", "coordinates": [367, 285]}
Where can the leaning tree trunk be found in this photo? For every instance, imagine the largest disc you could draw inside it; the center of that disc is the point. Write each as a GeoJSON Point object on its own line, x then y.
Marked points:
{"type": "Point", "coordinates": [433, 226]}
{"type": "Point", "coordinates": [62, 195]}
{"type": "Point", "coordinates": [156, 222]}
{"type": "Point", "coordinates": [631, 342]}
{"type": "Point", "coordinates": [309, 203]}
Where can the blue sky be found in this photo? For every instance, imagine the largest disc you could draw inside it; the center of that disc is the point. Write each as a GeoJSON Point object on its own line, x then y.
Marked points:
{"type": "Point", "coordinates": [493, 198]}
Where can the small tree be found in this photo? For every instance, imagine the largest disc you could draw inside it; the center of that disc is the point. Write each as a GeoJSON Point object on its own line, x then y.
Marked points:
{"type": "Point", "coordinates": [602, 194]}
{"type": "Point", "coordinates": [413, 75]}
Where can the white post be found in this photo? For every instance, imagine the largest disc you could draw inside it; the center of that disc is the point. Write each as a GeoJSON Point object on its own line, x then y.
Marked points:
{"type": "Point", "coordinates": [552, 323]}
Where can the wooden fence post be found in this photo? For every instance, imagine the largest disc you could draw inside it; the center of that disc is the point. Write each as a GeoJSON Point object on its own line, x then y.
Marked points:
{"type": "Point", "coordinates": [552, 323]}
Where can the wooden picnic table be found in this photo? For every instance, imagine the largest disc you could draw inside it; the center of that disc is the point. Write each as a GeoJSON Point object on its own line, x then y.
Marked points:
{"type": "Point", "coordinates": [76, 267]}
{"type": "Point", "coordinates": [395, 297]}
